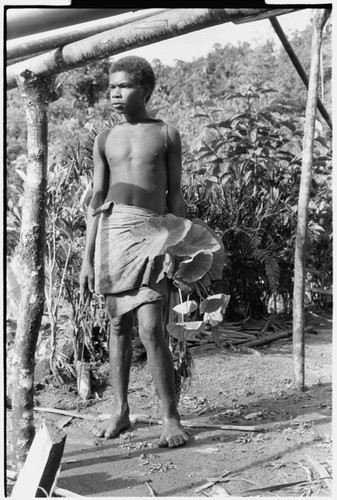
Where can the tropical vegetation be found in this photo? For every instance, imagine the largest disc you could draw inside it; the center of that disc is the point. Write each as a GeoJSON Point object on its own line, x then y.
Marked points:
{"type": "Point", "coordinates": [240, 111]}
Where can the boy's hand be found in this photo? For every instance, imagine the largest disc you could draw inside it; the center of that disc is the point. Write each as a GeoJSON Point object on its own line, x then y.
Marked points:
{"type": "Point", "coordinates": [87, 283]}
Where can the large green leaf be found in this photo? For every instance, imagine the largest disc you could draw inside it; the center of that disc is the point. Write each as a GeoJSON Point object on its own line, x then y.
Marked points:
{"type": "Point", "coordinates": [196, 267]}
{"type": "Point", "coordinates": [214, 302]}
{"type": "Point", "coordinates": [183, 285]}
{"type": "Point", "coordinates": [186, 307]}
{"type": "Point", "coordinates": [214, 308]}
{"type": "Point", "coordinates": [159, 232]}
{"type": "Point", "coordinates": [216, 269]}
{"type": "Point", "coordinates": [185, 330]}
{"type": "Point", "coordinates": [198, 238]}
{"type": "Point", "coordinates": [213, 318]}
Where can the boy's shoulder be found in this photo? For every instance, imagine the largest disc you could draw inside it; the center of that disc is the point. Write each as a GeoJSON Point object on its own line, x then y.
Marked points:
{"type": "Point", "coordinates": [103, 134]}
{"type": "Point", "coordinates": [101, 138]}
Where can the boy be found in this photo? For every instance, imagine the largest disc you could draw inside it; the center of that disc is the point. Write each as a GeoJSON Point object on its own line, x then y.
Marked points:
{"type": "Point", "coordinates": [137, 175]}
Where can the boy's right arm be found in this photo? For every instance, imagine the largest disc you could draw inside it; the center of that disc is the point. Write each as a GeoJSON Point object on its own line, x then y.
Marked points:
{"type": "Point", "coordinates": [100, 190]}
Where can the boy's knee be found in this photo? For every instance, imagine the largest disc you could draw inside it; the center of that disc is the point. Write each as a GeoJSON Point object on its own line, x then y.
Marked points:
{"type": "Point", "coordinates": [121, 324]}
{"type": "Point", "coordinates": [150, 331]}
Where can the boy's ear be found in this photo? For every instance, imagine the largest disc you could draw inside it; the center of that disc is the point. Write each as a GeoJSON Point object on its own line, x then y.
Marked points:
{"type": "Point", "coordinates": [147, 92]}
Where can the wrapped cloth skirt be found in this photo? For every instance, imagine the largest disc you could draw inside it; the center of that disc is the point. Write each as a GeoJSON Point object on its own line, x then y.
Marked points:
{"type": "Point", "coordinates": [121, 270]}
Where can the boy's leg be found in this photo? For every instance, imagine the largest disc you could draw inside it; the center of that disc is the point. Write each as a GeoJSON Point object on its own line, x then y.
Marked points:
{"type": "Point", "coordinates": [120, 350]}
{"type": "Point", "coordinates": [162, 370]}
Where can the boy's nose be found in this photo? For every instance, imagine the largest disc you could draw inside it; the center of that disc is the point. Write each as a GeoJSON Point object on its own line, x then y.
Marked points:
{"type": "Point", "coordinates": [116, 93]}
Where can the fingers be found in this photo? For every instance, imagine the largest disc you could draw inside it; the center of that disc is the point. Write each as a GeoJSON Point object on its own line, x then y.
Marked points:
{"type": "Point", "coordinates": [91, 284]}
{"type": "Point", "coordinates": [83, 289]}
{"type": "Point", "coordinates": [87, 288]}
{"type": "Point", "coordinates": [87, 298]}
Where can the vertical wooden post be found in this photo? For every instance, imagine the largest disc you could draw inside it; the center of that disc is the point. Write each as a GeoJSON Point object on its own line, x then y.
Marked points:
{"type": "Point", "coordinates": [36, 94]}
{"type": "Point", "coordinates": [319, 21]}
{"type": "Point", "coordinates": [298, 66]}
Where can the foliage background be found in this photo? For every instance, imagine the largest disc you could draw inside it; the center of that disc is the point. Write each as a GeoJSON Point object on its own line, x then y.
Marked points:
{"type": "Point", "coordinates": [240, 112]}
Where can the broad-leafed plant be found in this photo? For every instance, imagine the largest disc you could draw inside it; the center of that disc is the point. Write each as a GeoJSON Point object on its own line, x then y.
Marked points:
{"type": "Point", "coordinates": [194, 258]}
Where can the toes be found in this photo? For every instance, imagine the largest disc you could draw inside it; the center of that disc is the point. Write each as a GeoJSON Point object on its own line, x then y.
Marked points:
{"type": "Point", "coordinates": [103, 433]}
{"type": "Point", "coordinates": [97, 432]}
{"type": "Point", "coordinates": [110, 434]}
{"type": "Point", "coordinates": [176, 441]}
{"type": "Point", "coordinates": [163, 443]}
{"type": "Point", "coordinates": [173, 442]}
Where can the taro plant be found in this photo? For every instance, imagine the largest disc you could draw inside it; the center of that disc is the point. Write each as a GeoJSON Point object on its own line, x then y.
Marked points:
{"type": "Point", "coordinates": [194, 258]}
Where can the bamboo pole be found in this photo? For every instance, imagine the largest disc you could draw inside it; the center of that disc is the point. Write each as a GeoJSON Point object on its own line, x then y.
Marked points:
{"type": "Point", "coordinates": [36, 44]}
{"type": "Point", "coordinates": [159, 27]}
{"type": "Point", "coordinates": [319, 21]}
{"type": "Point", "coordinates": [23, 22]}
{"type": "Point", "coordinates": [298, 66]}
{"type": "Point", "coordinates": [36, 94]}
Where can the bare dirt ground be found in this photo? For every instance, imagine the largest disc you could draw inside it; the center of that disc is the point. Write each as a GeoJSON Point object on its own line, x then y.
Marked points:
{"type": "Point", "coordinates": [293, 442]}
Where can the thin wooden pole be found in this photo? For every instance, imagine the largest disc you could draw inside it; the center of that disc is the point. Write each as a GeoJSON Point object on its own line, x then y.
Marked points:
{"type": "Point", "coordinates": [36, 95]}
{"type": "Point", "coordinates": [35, 44]}
{"type": "Point", "coordinates": [298, 66]}
{"type": "Point", "coordinates": [23, 22]}
{"type": "Point", "coordinates": [319, 21]}
{"type": "Point", "coordinates": [138, 34]}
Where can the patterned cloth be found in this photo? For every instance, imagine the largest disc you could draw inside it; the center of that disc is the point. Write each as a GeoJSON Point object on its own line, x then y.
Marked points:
{"type": "Point", "coordinates": [121, 271]}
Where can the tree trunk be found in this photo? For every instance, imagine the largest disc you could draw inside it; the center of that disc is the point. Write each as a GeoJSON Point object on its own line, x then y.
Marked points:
{"type": "Point", "coordinates": [304, 195]}
{"type": "Point", "coordinates": [35, 94]}
{"type": "Point", "coordinates": [137, 34]}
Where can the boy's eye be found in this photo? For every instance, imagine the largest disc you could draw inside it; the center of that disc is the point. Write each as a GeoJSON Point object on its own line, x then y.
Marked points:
{"type": "Point", "coordinates": [121, 86]}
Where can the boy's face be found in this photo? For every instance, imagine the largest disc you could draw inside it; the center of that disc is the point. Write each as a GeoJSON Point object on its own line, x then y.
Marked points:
{"type": "Point", "coordinates": [126, 96]}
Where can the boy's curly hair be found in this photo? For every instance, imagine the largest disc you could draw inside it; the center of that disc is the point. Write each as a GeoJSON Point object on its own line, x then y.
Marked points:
{"type": "Point", "coordinates": [138, 68]}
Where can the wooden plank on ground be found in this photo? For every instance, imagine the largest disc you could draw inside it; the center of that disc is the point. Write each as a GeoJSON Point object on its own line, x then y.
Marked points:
{"type": "Point", "coordinates": [37, 476]}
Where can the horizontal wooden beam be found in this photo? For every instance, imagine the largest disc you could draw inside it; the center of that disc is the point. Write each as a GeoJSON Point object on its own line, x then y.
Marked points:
{"type": "Point", "coordinates": [23, 22]}
{"type": "Point", "coordinates": [35, 44]}
{"type": "Point", "coordinates": [137, 34]}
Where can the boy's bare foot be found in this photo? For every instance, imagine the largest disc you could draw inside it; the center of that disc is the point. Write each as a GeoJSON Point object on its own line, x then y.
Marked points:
{"type": "Point", "coordinates": [112, 426]}
{"type": "Point", "coordinates": [173, 434]}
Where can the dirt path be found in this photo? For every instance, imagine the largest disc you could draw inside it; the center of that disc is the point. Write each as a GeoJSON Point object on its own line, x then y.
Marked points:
{"type": "Point", "coordinates": [229, 388]}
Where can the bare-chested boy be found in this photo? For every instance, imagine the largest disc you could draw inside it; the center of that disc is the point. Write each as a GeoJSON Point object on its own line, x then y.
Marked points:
{"type": "Point", "coordinates": [137, 174]}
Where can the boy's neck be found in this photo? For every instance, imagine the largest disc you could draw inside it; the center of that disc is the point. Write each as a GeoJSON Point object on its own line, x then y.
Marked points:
{"type": "Point", "coordinates": [140, 119]}
{"type": "Point", "coordinates": [137, 117]}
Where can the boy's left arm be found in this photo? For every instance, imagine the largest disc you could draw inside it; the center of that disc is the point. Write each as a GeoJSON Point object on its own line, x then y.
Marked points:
{"type": "Point", "coordinates": [174, 198]}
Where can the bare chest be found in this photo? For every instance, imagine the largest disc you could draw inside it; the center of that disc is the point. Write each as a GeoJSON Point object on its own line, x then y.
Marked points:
{"type": "Point", "coordinates": [143, 143]}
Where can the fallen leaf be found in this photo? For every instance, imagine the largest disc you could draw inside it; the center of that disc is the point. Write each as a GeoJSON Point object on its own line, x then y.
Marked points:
{"type": "Point", "coordinates": [250, 416]}
{"type": "Point", "coordinates": [63, 421]}
{"type": "Point", "coordinates": [273, 487]}
{"type": "Point", "coordinates": [211, 483]}
{"type": "Point", "coordinates": [219, 491]}
{"type": "Point", "coordinates": [206, 450]}
{"type": "Point", "coordinates": [152, 491]}
{"type": "Point", "coordinates": [323, 473]}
